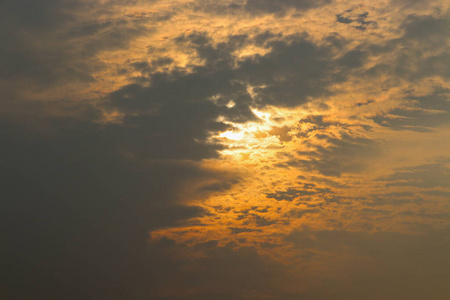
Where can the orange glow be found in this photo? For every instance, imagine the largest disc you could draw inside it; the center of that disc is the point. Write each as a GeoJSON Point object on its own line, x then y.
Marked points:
{"type": "Point", "coordinates": [264, 149]}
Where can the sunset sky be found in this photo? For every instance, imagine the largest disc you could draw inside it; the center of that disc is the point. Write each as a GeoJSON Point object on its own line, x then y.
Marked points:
{"type": "Point", "coordinates": [221, 150]}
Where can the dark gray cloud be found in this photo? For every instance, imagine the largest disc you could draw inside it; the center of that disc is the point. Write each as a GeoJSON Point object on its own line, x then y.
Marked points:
{"type": "Point", "coordinates": [294, 70]}
{"type": "Point", "coordinates": [76, 208]}
{"type": "Point", "coordinates": [349, 17]}
{"type": "Point", "coordinates": [219, 186]}
{"type": "Point", "coordinates": [422, 114]}
{"type": "Point", "coordinates": [224, 273]}
{"type": "Point", "coordinates": [345, 154]}
{"type": "Point", "coordinates": [438, 193]}
{"type": "Point", "coordinates": [299, 213]}
{"type": "Point", "coordinates": [393, 199]}
{"type": "Point", "coordinates": [179, 110]}
{"type": "Point", "coordinates": [421, 34]}
{"type": "Point", "coordinates": [293, 193]}
{"type": "Point", "coordinates": [281, 6]}
{"type": "Point", "coordinates": [262, 221]}
{"type": "Point", "coordinates": [435, 174]}
{"type": "Point", "coordinates": [407, 266]}
{"type": "Point", "coordinates": [42, 14]}
{"type": "Point", "coordinates": [179, 95]}
{"type": "Point", "coordinates": [259, 7]}
{"type": "Point", "coordinates": [237, 230]}
{"type": "Point", "coordinates": [47, 42]}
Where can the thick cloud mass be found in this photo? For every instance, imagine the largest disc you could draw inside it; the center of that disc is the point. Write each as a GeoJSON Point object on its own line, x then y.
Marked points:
{"type": "Point", "coordinates": [75, 211]}
{"type": "Point", "coordinates": [266, 6]}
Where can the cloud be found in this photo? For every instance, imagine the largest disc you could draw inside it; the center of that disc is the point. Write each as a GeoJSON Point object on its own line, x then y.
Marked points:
{"type": "Point", "coordinates": [237, 230]}
{"type": "Point", "coordinates": [425, 176]}
{"type": "Point", "coordinates": [407, 266]}
{"type": "Point", "coordinates": [293, 70]}
{"type": "Point", "coordinates": [58, 43]}
{"type": "Point", "coordinates": [291, 73]}
{"type": "Point", "coordinates": [107, 116]}
{"type": "Point", "coordinates": [345, 154]}
{"type": "Point", "coordinates": [259, 7]}
{"type": "Point", "coordinates": [179, 110]}
{"type": "Point", "coordinates": [267, 6]}
{"type": "Point", "coordinates": [421, 34]}
{"type": "Point", "coordinates": [422, 113]}
{"type": "Point", "coordinates": [77, 209]}
{"type": "Point", "coordinates": [351, 16]}
{"type": "Point", "coordinates": [39, 14]}
{"type": "Point", "coordinates": [292, 193]}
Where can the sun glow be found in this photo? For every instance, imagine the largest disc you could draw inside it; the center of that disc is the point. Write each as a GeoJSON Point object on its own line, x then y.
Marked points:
{"type": "Point", "coordinates": [256, 136]}
{"type": "Point", "coordinates": [232, 135]}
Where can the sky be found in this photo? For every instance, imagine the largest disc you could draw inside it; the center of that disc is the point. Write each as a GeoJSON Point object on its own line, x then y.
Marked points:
{"type": "Point", "coordinates": [235, 149]}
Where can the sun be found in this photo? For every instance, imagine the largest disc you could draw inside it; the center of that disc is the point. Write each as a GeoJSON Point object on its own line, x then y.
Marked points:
{"type": "Point", "coordinates": [254, 136]}
{"type": "Point", "coordinates": [232, 135]}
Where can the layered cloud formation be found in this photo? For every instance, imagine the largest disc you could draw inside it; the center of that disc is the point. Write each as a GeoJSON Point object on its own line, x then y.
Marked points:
{"type": "Point", "coordinates": [237, 150]}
